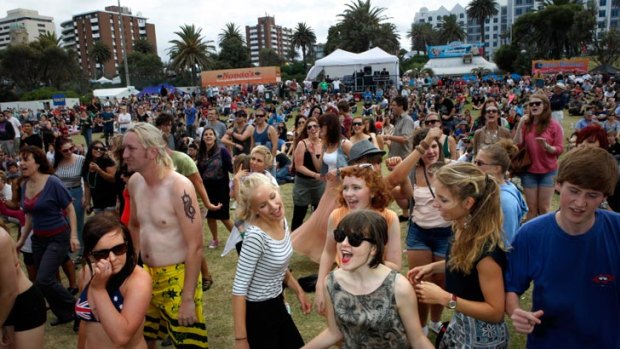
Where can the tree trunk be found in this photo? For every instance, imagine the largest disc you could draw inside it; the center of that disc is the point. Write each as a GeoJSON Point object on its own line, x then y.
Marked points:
{"type": "Point", "coordinates": [303, 54]}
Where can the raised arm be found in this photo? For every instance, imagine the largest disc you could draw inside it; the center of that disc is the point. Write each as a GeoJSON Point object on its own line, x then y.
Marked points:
{"type": "Point", "coordinates": [328, 258]}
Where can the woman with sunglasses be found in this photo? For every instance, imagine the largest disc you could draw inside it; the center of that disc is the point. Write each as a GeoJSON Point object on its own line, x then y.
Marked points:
{"type": "Point", "coordinates": [50, 216]}
{"type": "Point", "coordinates": [308, 187]}
{"type": "Point", "coordinates": [359, 132]}
{"type": "Point", "coordinates": [542, 136]}
{"type": "Point", "coordinates": [475, 264]}
{"type": "Point", "coordinates": [448, 143]}
{"type": "Point", "coordinates": [492, 131]}
{"type": "Point", "coordinates": [494, 160]}
{"type": "Point", "coordinates": [99, 172]}
{"type": "Point", "coordinates": [68, 167]}
{"type": "Point", "coordinates": [369, 305]}
{"type": "Point", "coordinates": [362, 188]}
{"type": "Point", "coordinates": [259, 313]}
{"type": "Point", "coordinates": [115, 291]}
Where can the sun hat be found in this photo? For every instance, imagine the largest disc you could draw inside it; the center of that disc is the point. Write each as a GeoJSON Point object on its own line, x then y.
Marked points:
{"type": "Point", "coordinates": [363, 148]}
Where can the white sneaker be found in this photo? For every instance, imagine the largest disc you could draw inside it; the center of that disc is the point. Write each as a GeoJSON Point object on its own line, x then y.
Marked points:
{"type": "Point", "coordinates": [435, 326]}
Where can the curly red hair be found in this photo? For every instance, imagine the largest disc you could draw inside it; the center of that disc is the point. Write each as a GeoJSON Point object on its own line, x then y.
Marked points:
{"type": "Point", "coordinates": [380, 195]}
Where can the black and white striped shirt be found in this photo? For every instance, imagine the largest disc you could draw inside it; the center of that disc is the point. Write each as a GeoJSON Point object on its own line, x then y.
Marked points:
{"type": "Point", "coordinates": [262, 264]}
{"type": "Point", "coordinates": [71, 175]}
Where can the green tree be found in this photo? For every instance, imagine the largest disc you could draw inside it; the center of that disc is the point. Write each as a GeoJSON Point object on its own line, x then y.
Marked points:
{"type": "Point", "coordinates": [607, 47]}
{"type": "Point", "coordinates": [20, 64]}
{"type": "Point", "coordinates": [304, 38]}
{"type": "Point", "coordinates": [268, 57]}
{"type": "Point", "coordinates": [230, 32]}
{"type": "Point", "coordinates": [143, 46]}
{"type": "Point", "coordinates": [505, 57]}
{"type": "Point", "coordinates": [451, 30]}
{"type": "Point", "coordinates": [145, 69]}
{"type": "Point", "coordinates": [421, 35]}
{"type": "Point", "coordinates": [100, 53]}
{"type": "Point", "coordinates": [233, 54]}
{"type": "Point", "coordinates": [191, 51]}
{"type": "Point", "coordinates": [360, 28]}
{"type": "Point", "coordinates": [480, 10]}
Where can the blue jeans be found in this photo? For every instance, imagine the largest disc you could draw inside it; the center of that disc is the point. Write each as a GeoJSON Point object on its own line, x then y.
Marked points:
{"type": "Point", "coordinates": [88, 136]}
{"type": "Point", "coordinates": [76, 194]}
{"type": "Point", "coordinates": [49, 253]}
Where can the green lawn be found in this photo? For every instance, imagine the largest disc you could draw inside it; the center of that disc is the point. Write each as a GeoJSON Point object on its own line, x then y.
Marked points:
{"type": "Point", "coordinates": [217, 301]}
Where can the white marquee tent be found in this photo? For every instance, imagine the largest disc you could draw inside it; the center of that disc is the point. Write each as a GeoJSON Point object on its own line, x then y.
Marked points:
{"type": "Point", "coordinates": [115, 92]}
{"type": "Point", "coordinates": [340, 63]}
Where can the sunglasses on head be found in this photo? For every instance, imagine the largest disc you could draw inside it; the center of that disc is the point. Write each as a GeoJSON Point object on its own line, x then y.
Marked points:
{"type": "Point", "coordinates": [355, 238]}
{"type": "Point", "coordinates": [535, 104]}
{"type": "Point", "coordinates": [118, 250]}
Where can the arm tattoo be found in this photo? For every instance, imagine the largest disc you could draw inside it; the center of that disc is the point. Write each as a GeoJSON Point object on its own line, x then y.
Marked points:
{"type": "Point", "coordinates": [190, 211]}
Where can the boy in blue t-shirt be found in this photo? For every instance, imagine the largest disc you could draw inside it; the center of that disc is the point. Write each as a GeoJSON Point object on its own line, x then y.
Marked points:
{"type": "Point", "coordinates": [573, 258]}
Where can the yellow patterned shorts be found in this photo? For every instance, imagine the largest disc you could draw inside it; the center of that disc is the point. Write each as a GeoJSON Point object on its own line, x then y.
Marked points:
{"type": "Point", "coordinates": [163, 312]}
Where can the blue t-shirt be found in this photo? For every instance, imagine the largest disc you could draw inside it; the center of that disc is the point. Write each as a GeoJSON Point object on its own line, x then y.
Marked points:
{"type": "Point", "coordinates": [513, 208]}
{"type": "Point", "coordinates": [190, 116]}
{"type": "Point", "coordinates": [47, 208]}
{"type": "Point", "coordinates": [576, 281]}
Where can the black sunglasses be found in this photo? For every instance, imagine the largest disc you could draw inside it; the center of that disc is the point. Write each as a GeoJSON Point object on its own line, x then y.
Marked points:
{"type": "Point", "coordinates": [309, 127]}
{"type": "Point", "coordinates": [259, 115]}
{"type": "Point", "coordinates": [99, 148]}
{"type": "Point", "coordinates": [355, 239]}
{"type": "Point", "coordinates": [429, 122]}
{"type": "Point", "coordinates": [118, 250]}
{"type": "Point", "coordinates": [535, 104]}
{"type": "Point", "coordinates": [357, 124]}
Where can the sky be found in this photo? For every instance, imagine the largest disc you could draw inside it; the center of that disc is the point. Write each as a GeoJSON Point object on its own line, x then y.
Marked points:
{"type": "Point", "coordinates": [168, 15]}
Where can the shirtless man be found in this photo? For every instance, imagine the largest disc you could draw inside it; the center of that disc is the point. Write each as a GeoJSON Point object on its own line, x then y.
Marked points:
{"type": "Point", "coordinates": [167, 230]}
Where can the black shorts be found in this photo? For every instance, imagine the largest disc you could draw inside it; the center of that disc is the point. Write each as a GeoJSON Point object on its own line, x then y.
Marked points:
{"type": "Point", "coordinates": [28, 311]}
{"type": "Point", "coordinates": [28, 259]}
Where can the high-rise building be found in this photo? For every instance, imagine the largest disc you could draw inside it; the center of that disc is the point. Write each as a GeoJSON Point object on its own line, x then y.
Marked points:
{"type": "Point", "coordinates": [266, 34]}
{"type": "Point", "coordinates": [496, 29]}
{"type": "Point", "coordinates": [83, 30]}
{"type": "Point", "coordinates": [23, 26]}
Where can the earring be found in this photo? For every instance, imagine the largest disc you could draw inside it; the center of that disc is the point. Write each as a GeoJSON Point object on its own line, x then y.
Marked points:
{"type": "Point", "coordinates": [467, 221]}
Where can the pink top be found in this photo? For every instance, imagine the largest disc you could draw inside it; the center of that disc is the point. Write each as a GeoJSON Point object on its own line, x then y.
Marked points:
{"type": "Point", "coordinates": [543, 161]}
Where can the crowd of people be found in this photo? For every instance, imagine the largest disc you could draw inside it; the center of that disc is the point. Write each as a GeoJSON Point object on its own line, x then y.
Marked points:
{"type": "Point", "coordinates": [478, 232]}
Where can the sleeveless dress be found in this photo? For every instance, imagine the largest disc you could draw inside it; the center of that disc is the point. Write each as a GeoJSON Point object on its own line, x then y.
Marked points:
{"type": "Point", "coordinates": [371, 320]}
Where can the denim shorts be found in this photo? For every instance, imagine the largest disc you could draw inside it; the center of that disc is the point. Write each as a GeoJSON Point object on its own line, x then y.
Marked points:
{"type": "Point", "coordinates": [436, 240]}
{"type": "Point", "coordinates": [535, 180]}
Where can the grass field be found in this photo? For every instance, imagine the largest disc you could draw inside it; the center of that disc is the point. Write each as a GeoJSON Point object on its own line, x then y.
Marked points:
{"type": "Point", "coordinates": [217, 301]}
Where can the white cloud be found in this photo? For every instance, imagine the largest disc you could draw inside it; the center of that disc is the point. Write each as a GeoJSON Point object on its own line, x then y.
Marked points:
{"type": "Point", "coordinates": [211, 16]}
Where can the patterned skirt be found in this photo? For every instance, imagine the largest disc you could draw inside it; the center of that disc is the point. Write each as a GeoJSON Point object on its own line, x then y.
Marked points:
{"type": "Point", "coordinates": [465, 332]}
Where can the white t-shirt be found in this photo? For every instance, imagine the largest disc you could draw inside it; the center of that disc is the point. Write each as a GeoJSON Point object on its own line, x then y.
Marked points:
{"type": "Point", "coordinates": [124, 119]}
{"type": "Point", "coordinates": [16, 126]}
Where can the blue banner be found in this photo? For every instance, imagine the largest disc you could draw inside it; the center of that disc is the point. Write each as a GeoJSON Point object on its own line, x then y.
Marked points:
{"type": "Point", "coordinates": [59, 99]}
{"type": "Point", "coordinates": [455, 49]}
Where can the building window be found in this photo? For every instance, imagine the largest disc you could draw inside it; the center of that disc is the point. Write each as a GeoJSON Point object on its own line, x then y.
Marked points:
{"type": "Point", "coordinates": [614, 12]}
{"type": "Point", "coordinates": [602, 3]}
{"type": "Point", "coordinates": [430, 19]}
{"type": "Point", "coordinates": [601, 13]}
{"type": "Point", "coordinates": [495, 28]}
{"type": "Point", "coordinates": [519, 2]}
{"type": "Point", "coordinates": [421, 20]}
{"type": "Point", "coordinates": [519, 12]}
{"type": "Point", "coordinates": [462, 15]}
{"type": "Point", "coordinates": [495, 20]}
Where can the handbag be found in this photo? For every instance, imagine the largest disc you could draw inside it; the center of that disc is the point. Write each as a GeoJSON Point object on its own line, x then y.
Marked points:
{"type": "Point", "coordinates": [520, 162]}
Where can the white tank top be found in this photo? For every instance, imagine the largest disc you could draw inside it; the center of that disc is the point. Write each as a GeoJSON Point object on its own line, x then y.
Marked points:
{"type": "Point", "coordinates": [331, 159]}
{"type": "Point", "coordinates": [424, 214]}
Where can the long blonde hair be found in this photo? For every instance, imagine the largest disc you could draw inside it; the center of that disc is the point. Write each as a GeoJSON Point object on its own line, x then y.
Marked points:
{"type": "Point", "coordinates": [247, 188]}
{"type": "Point", "coordinates": [482, 230]}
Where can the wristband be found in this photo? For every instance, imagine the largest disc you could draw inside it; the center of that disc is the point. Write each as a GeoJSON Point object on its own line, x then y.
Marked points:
{"type": "Point", "coordinates": [424, 145]}
{"type": "Point", "coordinates": [241, 339]}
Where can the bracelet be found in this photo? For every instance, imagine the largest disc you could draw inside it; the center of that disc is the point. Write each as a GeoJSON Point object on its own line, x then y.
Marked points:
{"type": "Point", "coordinates": [424, 145]}
{"type": "Point", "coordinates": [241, 339]}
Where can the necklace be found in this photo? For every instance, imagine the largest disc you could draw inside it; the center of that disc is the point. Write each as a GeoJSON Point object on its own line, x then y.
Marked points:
{"type": "Point", "coordinates": [490, 137]}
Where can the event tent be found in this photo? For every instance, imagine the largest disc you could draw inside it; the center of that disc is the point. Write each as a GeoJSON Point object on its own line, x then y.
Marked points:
{"type": "Point", "coordinates": [156, 89]}
{"type": "Point", "coordinates": [455, 66]}
{"type": "Point", "coordinates": [340, 63]}
{"type": "Point", "coordinates": [115, 92]}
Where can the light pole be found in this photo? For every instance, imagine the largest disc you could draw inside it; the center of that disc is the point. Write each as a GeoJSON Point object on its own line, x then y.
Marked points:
{"type": "Point", "coordinates": [123, 51]}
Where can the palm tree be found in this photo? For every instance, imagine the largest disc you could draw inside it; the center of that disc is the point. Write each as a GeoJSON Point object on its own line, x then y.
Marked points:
{"type": "Point", "coordinates": [451, 30]}
{"type": "Point", "coordinates": [360, 27]}
{"type": "Point", "coordinates": [48, 39]}
{"type": "Point", "coordinates": [480, 10]}
{"type": "Point", "coordinates": [191, 50]}
{"type": "Point", "coordinates": [100, 53]}
{"type": "Point", "coordinates": [304, 38]}
{"type": "Point", "coordinates": [230, 32]}
{"type": "Point", "coordinates": [421, 35]}
{"type": "Point", "coordinates": [143, 46]}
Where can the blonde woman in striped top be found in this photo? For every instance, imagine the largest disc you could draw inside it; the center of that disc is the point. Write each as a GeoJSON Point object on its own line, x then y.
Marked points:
{"type": "Point", "coordinates": [260, 316]}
